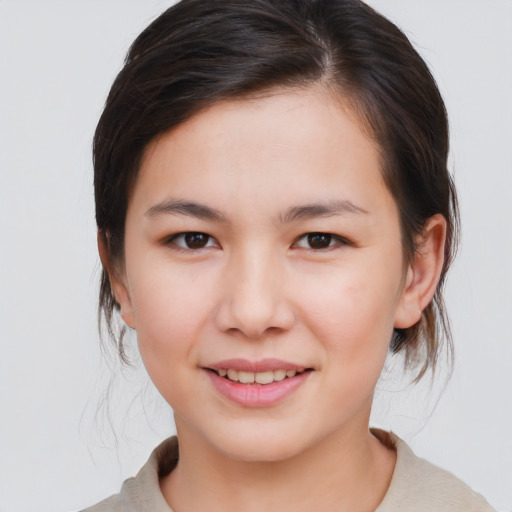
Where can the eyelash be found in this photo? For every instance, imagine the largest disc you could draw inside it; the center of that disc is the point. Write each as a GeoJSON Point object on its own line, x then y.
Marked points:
{"type": "Point", "coordinates": [185, 247]}
{"type": "Point", "coordinates": [332, 241]}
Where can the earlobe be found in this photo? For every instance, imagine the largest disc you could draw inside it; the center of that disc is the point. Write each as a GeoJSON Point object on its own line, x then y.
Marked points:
{"type": "Point", "coordinates": [423, 273]}
{"type": "Point", "coordinates": [117, 283]}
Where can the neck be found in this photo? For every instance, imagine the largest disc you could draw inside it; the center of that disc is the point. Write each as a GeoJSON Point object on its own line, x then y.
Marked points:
{"type": "Point", "coordinates": [346, 471]}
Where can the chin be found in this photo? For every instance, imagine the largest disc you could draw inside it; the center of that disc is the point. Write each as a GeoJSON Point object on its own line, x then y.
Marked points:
{"type": "Point", "coordinates": [259, 446]}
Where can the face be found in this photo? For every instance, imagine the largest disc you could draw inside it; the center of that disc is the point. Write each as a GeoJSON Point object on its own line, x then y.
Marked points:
{"type": "Point", "coordinates": [261, 241]}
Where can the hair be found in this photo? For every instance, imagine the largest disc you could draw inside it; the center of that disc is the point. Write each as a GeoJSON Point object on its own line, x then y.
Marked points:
{"type": "Point", "coordinates": [198, 53]}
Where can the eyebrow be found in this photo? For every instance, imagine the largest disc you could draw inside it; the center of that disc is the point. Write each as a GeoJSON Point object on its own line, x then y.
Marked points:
{"type": "Point", "coordinates": [327, 209]}
{"type": "Point", "coordinates": [188, 208]}
{"type": "Point", "coordinates": [307, 211]}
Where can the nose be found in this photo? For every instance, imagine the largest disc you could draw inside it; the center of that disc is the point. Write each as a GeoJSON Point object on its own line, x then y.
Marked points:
{"type": "Point", "coordinates": [254, 301]}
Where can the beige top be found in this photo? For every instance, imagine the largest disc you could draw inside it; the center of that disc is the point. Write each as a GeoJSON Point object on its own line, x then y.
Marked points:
{"type": "Point", "coordinates": [416, 485]}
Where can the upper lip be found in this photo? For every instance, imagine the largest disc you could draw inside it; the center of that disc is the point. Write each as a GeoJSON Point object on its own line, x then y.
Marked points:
{"type": "Point", "coordinates": [263, 365]}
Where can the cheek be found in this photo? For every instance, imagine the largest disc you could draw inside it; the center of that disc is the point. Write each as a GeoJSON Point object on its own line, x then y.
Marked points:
{"type": "Point", "coordinates": [350, 305]}
{"type": "Point", "coordinates": [170, 306]}
{"type": "Point", "coordinates": [170, 310]}
{"type": "Point", "coordinates": [352, 312]}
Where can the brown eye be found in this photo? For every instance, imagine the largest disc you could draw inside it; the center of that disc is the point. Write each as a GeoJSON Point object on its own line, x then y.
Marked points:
{"type": "Point", "coordinates": [319, 240]}
{"type": "Point", "coordinates": [193, 240]}
{"type": "Point", "coordinates": [196, 240]}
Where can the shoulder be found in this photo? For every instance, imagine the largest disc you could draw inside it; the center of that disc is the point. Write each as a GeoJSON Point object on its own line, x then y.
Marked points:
{"type": "Point", "coordinates": [142, 492]}
{"type": "Point", "coordinates": [112, 504]}
{"type": "Point", "coordinates": [417, 485]}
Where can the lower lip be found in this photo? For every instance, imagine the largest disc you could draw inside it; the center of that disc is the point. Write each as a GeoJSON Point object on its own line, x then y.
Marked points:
{"type": "Point", "coordinates": [257, 395]}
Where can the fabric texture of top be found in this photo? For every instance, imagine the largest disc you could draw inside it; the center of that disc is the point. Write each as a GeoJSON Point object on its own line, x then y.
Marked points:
{"type": "Point", "coordinates": [416, 485]}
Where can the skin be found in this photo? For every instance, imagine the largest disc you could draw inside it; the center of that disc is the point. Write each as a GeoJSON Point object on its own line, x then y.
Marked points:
{"type": "Point", "coordinates": [258, 290]}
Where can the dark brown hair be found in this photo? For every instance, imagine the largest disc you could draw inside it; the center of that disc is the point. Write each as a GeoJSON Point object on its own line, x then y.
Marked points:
{"type": "Point", "coordinates": [198, 53]}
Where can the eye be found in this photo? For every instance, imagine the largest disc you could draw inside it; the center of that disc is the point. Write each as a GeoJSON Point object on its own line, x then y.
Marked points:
{"type": "Point", "coordinates": [193, 240]}
{"type": "Point", "coordinates": [318, 241]}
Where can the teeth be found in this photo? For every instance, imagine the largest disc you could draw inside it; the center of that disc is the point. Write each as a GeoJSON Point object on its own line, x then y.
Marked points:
{"type": "Point", "coordinates": [246, 377]}
{"type": "Point", "coordinates": [258, 377]}
{"type": "Point", "coordinates": [279, 374]}
{"type": "Point", "coordinates": [264, 377]}
{"type": "Point", "coordinates": [232, 375]}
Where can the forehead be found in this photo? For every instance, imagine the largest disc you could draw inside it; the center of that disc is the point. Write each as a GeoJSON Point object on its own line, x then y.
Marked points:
{"type": "Point", "coordinates": [283, 146]}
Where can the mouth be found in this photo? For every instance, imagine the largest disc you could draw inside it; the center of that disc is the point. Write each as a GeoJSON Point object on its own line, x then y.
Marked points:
{"type": "Point", "coordinates": [262, 378]}
{"type": "Point", "coordinates": [257, 384]}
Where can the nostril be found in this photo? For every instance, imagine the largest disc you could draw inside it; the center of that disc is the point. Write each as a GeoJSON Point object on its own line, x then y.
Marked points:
{"type": "Point", "coordinates": [253, 302]}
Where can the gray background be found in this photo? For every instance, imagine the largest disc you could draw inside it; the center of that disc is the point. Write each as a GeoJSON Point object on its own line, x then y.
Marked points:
{"type": "Point", "coordinates": [58, 450]}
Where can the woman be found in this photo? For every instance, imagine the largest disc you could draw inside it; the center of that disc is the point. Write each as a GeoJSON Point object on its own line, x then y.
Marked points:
{"type": "Point", "coordinates": [274, 214]}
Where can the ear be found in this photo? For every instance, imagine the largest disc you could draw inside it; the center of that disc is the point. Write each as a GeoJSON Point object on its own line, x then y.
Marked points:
{"type": "Point", "coordinates": [117, 281]}
{"type": "Point", "coordinates": [423, 273]}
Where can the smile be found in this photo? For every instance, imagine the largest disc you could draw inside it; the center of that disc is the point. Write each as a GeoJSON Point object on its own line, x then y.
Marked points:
{"type": "Point", "coordinates": [264, 383]}
{"type": "Point", "coordinates": [247, 377]}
